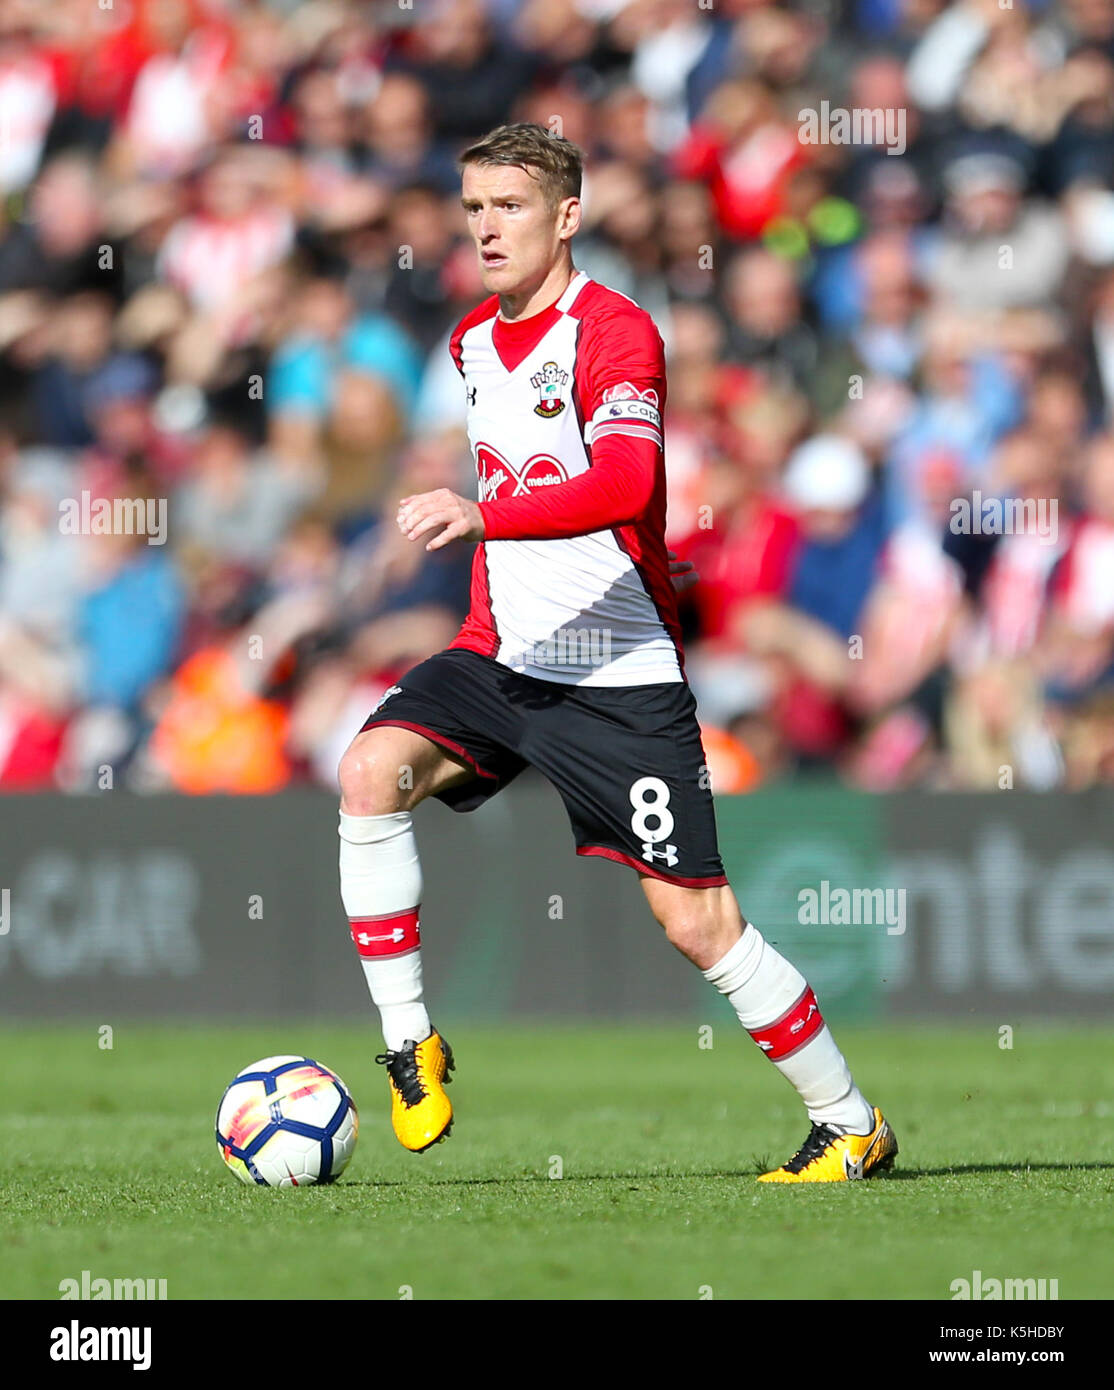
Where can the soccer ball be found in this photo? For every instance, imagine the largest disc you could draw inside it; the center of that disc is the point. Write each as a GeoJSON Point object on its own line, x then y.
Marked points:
{"type": "Point", "coordinates": [287, 1122]}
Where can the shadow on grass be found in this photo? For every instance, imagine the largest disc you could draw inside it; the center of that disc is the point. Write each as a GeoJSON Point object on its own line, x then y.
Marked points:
{"type": "Point", "coordinates": [906, 1174]}
{"type": "Point", "coordinates": [895, 1175]}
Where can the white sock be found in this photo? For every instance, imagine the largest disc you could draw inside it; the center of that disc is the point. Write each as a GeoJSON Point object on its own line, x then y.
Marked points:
{"type": "Point", "coordinates": [780, 1012]}
{"type": "Point", "coordinates": [381, 887]}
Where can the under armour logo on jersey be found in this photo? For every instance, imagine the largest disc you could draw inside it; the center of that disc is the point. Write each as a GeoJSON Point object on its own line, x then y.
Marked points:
{"type": "Point", "coordinates": [365, 940]}
{"type": "Point", "coordinates": [470, 392]}
{"type": "Point", "coordinates": [669, 853]}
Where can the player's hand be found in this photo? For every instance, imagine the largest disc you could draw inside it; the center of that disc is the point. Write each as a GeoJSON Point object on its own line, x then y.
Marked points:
{"type": "Point", "coordinates": [682, 573]}
{"type": "Point", "coordinates": [453, 518]}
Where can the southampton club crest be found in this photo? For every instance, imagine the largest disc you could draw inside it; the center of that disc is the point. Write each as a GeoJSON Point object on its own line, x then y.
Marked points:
{"type": "Point", "coordinates": [549, 382]}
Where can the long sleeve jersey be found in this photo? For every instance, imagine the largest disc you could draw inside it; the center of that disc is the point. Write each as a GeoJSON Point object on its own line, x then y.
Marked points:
{"type": "Point", "coordinates": [571, 582]}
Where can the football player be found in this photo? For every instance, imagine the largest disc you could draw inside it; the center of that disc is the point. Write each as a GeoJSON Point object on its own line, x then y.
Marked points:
{"type": "Point", "coordinates": [570, 659]}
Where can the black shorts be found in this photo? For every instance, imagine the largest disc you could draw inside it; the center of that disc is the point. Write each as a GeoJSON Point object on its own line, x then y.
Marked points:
{"type": "Point", "coordinates": [628, 761]}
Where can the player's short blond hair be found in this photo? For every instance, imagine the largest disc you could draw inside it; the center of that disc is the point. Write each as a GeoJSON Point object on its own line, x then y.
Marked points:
{"type": "Point", "coordinates": [555, 162]}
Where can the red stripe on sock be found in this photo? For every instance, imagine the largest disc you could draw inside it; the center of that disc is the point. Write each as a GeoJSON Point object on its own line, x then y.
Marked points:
{"type": "Point", "coordinates": [792, 1030]}
{"type": "Point", "coordinates": [393, 935]}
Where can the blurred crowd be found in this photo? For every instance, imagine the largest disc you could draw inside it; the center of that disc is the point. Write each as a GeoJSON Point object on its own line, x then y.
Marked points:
{"type": "Point", "coordinates": [231, 252]}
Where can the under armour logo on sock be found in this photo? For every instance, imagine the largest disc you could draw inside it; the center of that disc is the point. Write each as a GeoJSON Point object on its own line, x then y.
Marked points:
{"type": "Point", "coordinates": [799, 1023]}
{"type": "Point", "coordinates": [394, 934]}
{"type": "Point", "coordinates": [796, 1026]}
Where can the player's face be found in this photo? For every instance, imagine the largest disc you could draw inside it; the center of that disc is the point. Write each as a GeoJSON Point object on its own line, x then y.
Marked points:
{"type": "Point", "coordinates": [519, 238]}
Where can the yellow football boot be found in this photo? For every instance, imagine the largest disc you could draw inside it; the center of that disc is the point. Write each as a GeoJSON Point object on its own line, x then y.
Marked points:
{"type": "Point", "coordinates": [421, 1112]}
{"type": "Point", "coordinates": [828, 1156]}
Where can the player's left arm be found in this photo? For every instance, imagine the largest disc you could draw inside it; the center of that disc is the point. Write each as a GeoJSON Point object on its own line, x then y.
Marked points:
{"type": "Point", "coordinates": [621, 389]}
{"type": "Point", "coordinates": [463, 520]}
{"type": "Point", "coordinates": [455, 518]}
{"type": "Point", "coordinates": [615, 491]}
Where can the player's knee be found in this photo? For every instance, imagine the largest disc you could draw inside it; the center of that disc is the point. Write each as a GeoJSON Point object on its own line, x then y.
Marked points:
{"type": "Point", "coordinates": [688, 930]}
{"type": "Point", "coordinates": [372, 779]}
{"type": "Point", "coordinates": [702, 924]}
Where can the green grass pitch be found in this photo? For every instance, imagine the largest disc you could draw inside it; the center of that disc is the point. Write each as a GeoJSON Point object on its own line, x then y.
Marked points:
{"type": "Point", "coordinates": [108, 1164]}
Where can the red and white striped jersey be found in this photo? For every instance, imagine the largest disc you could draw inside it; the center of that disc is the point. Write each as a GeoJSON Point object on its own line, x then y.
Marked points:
{"type": "Point", "coordinates": [571, 583]}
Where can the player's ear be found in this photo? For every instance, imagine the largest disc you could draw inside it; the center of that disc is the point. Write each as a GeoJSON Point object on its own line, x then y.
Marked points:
{"type": "Point", "coordinates": [568, 218]}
